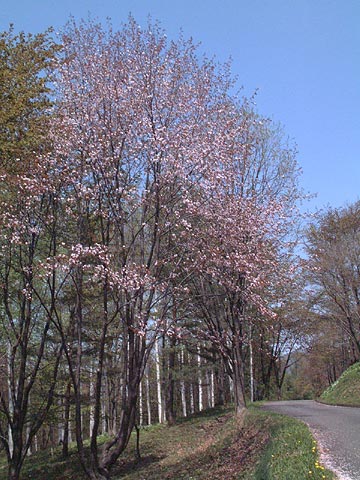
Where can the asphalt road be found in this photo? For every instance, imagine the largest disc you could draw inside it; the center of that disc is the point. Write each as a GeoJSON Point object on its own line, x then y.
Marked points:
{"type": "Point", "coordinates": [337, 430]}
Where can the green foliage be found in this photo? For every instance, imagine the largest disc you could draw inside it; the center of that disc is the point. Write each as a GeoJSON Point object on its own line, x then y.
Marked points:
{"type": "Point", "coordinates": [346, 390]}
{"type": "Point", "coordinates": [25, 67]}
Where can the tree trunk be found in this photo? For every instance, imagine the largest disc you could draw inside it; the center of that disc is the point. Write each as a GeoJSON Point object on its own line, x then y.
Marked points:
{"type": "Point", "coordinates": [251, 365]}
{"type": "Point", "coordinates": [200, 386]}
{"type": "Point", "coordinates": [148, 403]}
{"type": "Point", "coordinates": [65, 439]}
{"type": "Point", "coordinates": [221, 384]}
{"type": "Point", "coordinates": [134, 349]}
{"type": "Point", "coordinates": [14, 471]}
{"type": "Point", "coordinates": [192, 401]}
{"type": "Point", "coordinates": [141, 414]}
{"type": "Point", "coordinates": [170, 412]}
{"type": "Point", "coordinates": [238, 378]}
{"type": "Point", "coordinates": [158, 383]}
{"type": "Point", "coordinates": [182, 386]}
{"type": "Point", "coordinates": [212, 388]}
{"type": "Point", "coordinates": [16, 459]}
{"type": "Point", "coordinates": [91, 397]}
{"type": "Point", "coordinates": [113, 449]}
{"type": "Point", "coordinates": [11, 402]}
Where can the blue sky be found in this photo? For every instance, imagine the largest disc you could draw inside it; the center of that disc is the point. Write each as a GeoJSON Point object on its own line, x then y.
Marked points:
{"type": "Point", "coordinates": [303, 56]}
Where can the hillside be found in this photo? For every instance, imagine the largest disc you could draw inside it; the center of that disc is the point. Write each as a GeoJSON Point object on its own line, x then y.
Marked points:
{"type": "Point", "coordinates": [346, 390]}
{"type": "Point", "coordinates": [211, 445]}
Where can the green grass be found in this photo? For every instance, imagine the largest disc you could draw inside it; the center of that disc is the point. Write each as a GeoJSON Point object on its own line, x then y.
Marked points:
{"type": "Point", "coordinates": [290, 454]}
{"type": "Point", "coordinates": [211, 446]}
{"type": "Point", "coordinates": [48, 465]}
{"type": "Point", "coordinates": [346, 390]}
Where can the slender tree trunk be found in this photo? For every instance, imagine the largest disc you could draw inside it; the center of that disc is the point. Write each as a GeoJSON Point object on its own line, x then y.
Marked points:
{"type": "Point", "coordinates": [163, 374]}
{"type": "Point", "coordinates": [182, 386]}
{"type": "Point", "coordinates": [192, 400]}
{"type": "Point", "coordinates": [212, 388]}
{"type": "Point", "coordinates": [67, 432]}
{"type": "Point", "coordinates": [158, 383]}
{"type": "Point", "coordinates": [148, 402]}
{"type": "Point", "coordinates": [200, 385]}
{"type": "Point", "coordinates": [170, 412]}
{"type": "Point", "coordinates": [134, 367]}
{"type": "Point", "coordinates": [14, 471]}
{"type": "Point", "coordinates": [141, 414]}
{"type": "Point", "coordinates": [60, 436]}
{"type": "Point", "coordinates": [238, 378]}
{"type": "Point", "coordinates": [251, 360]}
{"type": "Point", "coordinates": [91, 397]}
{"type": "Point", "coordinates": [101, 370]}
{"type": "Point", "coordinates": [11, 403]}
{"type": "Point", "coordinates": [221, 383]}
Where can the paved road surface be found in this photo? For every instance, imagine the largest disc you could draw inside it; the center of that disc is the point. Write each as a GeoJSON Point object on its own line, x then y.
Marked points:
{"type": "Point", "coordinates": [337, 430]}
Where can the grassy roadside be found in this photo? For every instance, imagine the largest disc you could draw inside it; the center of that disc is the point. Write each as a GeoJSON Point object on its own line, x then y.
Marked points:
{"type": "Point", "coordinates": [346, 390]}
{"type": "Point", "coordinates": [290, 454]}
{"type": "Point", "coordinates": [210, 446]}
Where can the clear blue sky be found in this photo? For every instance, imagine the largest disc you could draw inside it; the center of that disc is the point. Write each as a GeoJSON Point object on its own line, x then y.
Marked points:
{"type": "Point", "coordinates": [303, 56]}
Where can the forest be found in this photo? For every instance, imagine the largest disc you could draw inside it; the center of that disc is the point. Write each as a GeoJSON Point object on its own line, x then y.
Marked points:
{"type": "Point", "coordinates": [154, 258]}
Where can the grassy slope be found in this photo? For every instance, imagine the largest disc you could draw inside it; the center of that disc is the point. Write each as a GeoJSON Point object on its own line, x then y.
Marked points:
{"type": "Point", "coordinates": [211, 446]}
{"type": "Point", "coordinates": [346, 390]}
{"type": "Point", "coordinates": [291, 453]}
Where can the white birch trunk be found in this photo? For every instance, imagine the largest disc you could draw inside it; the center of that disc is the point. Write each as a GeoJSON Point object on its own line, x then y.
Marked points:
{"type": "Point", "coordinates": [158, 383]}
{"type": "Point", "coordinates": [91, 396]}
{"type": "Point", "coordinates": [251, 366]}
{"type": "Point", "coordinates": [103, 416]}
{"type": "Point", "coordinates": [60, 424]}
{"type": "Point", "coordinates": [29, 452]}
{"type": "Point", "coordinates": [212, 388]}
{"type": "Point", "coordinates": [148, 403]}
{"type": "Point", "coordinates": [208, 389]}
{"type": "Point", "coordinates": [104, 404]}
{"type": "Point", "coordinates": [141, 413]}
{"type": "Point", "coordinates": [231, 385]}
{"type": "Point", "coordinates": [200, 380]}
{"type": "Point", "coordinates": [182, 386]}
{"type": "Point", "coordinates": [70, 429]}
{"type": "Point", "coordinates": [192, 402]}
{"type": "Point", "coordinates": [60, 433]}
{"type": "Point", "coordinates": [11, 405]}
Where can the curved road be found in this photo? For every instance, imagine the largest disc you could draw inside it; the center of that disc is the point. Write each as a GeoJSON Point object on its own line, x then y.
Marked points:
{"type": "Point", "coordinates": [337, 430]}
